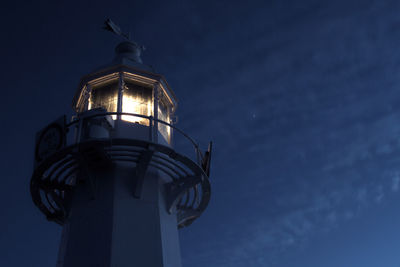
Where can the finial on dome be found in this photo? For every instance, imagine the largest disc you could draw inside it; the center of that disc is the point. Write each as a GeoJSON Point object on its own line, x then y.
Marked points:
{"type": "Point", "coordinates": [130, 50]}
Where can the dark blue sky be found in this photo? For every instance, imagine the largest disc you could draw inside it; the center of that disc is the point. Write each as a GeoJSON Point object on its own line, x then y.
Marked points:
{"type": "Point", "coordinates": [301, 99]}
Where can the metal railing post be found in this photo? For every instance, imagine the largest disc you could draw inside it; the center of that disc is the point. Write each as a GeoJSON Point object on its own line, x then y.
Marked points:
{"type": "Point", "coordinates": [80, 125]}
{"type": "Point", "coordinates": [151, 129]}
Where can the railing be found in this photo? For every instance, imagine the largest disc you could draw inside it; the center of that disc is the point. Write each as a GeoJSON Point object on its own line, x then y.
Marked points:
{"type": "Point", "coordinates": [153, 129]}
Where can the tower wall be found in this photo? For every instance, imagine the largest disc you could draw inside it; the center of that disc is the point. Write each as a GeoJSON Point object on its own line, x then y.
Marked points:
{"type": "Point", "coordinates": [111, 227]}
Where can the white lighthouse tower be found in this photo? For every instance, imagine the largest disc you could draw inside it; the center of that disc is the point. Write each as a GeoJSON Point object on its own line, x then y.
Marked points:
{"type": "Point", "coordinates": [111, 176]}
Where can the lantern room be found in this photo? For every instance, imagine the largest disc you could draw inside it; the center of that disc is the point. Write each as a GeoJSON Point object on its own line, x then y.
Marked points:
{"type": "Point", "coordinates": [129, 91]}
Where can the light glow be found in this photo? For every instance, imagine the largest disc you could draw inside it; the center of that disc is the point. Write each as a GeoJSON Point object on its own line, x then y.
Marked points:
{"type": "Point", "coordinates": [136, 105]}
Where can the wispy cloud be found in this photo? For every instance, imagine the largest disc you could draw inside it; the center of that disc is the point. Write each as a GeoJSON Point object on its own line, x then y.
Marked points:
{"type": "Point", "coordinates": [395, 182]}
{"type": "Point", "coordinates": [307, 138]}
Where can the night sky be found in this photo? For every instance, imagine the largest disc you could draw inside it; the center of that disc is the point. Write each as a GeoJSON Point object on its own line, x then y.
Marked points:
{"type": "Point", "coordinates": [301, 100]}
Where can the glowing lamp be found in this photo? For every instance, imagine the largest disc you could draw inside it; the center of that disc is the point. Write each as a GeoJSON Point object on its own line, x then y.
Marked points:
{"type": "Point", "coordinates": [130, 91]}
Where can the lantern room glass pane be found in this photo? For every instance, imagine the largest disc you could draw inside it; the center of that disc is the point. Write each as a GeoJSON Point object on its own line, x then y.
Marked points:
{"type": "Point", "coordinates": [104, 95]}
{"type": "Point", "coordinates": [138, 100]}
{"type": "Point", "coordinates": [163, 115]}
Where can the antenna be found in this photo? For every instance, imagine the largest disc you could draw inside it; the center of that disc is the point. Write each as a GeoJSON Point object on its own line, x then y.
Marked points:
{"type": "Point", "coordinates": [109, 25]}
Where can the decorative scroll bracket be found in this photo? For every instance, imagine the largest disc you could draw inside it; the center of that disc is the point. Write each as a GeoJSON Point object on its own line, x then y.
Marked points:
{"type": "Point", "coordinates": [175, 190]}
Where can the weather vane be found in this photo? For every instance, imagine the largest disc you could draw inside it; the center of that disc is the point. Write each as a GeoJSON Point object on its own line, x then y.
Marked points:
{"type": "Point", "coordinates": [109, 25]}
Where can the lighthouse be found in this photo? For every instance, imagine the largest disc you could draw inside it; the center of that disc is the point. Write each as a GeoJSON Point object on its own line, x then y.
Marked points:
{"type": "Point", "coordinates": [111, 176]}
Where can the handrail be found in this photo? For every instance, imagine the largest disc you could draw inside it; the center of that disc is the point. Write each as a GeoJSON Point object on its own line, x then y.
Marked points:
{"type": "Point", "coordinates": [151, 126]}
